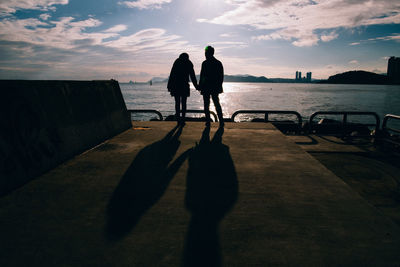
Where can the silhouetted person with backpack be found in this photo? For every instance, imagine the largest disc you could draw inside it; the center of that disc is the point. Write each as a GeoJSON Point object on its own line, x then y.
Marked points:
{"type": "Point", "coordinates": [211, 79]}
{"type": "Point", "coordinates": [178, 84]}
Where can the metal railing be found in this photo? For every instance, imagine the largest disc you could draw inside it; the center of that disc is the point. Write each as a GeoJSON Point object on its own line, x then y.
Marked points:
{"type": "Point", "coordinates": [385, 120]}
{"type": "Point", "coordinates": [284, 126]}
{"type": "Point", "coordinates": [267, 112]}
{"type": "Point", "coordinates": [160, 116]}
{"type": "Point", "coordinates": [387, 136]}
{"type": "Point", "coordinates": [212, 113]}
{"type": "Point", "coordinates": [345, 115]}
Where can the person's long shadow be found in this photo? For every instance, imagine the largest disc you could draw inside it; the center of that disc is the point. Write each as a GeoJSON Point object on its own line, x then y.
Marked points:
{"type": "Point", "coordinates": [212, 190]}
{"type": "Point", "coordinates": [143, 184]}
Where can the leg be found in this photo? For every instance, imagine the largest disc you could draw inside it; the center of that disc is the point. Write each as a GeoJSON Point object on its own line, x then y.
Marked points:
{"type": "Point", "coordinates": [218, 108]}
{"type": "Point", "coordinates": [184, 98]}
{"type": "Point", "coordinates": [177, 108]}
{"type": "Point", "coordinates": [206, 99]}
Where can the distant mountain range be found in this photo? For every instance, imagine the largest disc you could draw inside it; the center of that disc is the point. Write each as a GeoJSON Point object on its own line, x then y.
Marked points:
{"type": "Point", "coordinates": [245, 79]}
{"type": "Point", "coordinates": [357, 77]}
{"type": "Point", "coordinates": [227, 78]}
{"type": "Point", "coordinates": [349, 77]}
{"type": "Point", "coordinates": [159, 80]}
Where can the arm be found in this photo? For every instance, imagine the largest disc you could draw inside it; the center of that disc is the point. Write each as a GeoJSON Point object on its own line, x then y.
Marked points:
{"type": "Point", "coordinates": [221, 72]}
{"type": "Point", "coordinates": [202, 77]}
{"type": "Point", "coordinates": [193, 78]}
{"type": "Point", "coordinates": [171, 78]}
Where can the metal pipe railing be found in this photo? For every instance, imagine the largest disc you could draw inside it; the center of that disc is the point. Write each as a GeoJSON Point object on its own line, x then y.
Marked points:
{"type": "Point", "coordinates": [386, 119]}
{"type": "Point", "coordinates": [345, 114]}
{"type": "Point", "coordinates": [160, 116]}
{"type": "Point", "coordinates": [267, 112]}
{"type": "Point", "coordinates": [202, 111]}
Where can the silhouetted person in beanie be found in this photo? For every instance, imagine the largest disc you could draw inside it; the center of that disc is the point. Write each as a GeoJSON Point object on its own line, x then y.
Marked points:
{"type": "Point", "coordinates": [178, 84]}
{"type": "Point", "coordinates": [211, 78]}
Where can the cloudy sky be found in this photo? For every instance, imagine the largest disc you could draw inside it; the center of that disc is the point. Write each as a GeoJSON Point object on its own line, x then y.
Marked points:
{"type": "Point", "coordinates": [140, 39]}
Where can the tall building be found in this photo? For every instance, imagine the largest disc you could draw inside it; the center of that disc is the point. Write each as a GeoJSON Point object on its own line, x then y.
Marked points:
{"type": "Point", "coordinates": [308, 76]}
{"type": "Point", "coordinates": [393, 70]}
{"type": "Point", "coordinates": [303, 79]}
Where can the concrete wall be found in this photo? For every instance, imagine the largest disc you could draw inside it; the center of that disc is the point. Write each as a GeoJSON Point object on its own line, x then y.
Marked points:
{"type": "Point", "coordinates": [44, 123]}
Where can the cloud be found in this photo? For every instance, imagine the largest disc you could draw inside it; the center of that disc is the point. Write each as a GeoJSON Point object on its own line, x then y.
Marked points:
{"type": "Point", "coordinates": [145, 4]}
{"type": "Point", "coordinates": [228, 35]}
{"type": "Point", "coordinates": [117, 28]}
{"type": "Point", "coordinates": [11, 6]}
{"type": "Point", "coordinates": [329, 37]}
{"type": "Point", "coordinates": [45, 16]}
{"type": "Point", "coordinates": [394, 37]}
{"type": "Point", "coordinates": [226, 44]}
{"type": "Point", "coordinates": [305, 22]}
{"type": "Point", "coordinates": [309, 40]}
{"type": "Point", "coordinates": [78, 49]}
{"type": "Point", "coordinates": [62, 33]}
{"type": "Point", "coordinates": [301, 37]}
{"type": "Point", "coordinates": [152, 41]}
{"type": "Point", "coordinates": [355, 62]}
{"type": "Point", "coordinates": [68, 33]}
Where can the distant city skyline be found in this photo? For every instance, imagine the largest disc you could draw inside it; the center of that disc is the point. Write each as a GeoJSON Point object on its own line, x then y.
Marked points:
{"type": "Point", "coordinates": [303, 78]}
{"type": "Point", "coordinates": [138, 40]}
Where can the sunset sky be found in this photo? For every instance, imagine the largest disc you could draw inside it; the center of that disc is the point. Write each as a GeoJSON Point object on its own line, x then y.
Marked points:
{"type": "Point", "coordinates": [137, 40]}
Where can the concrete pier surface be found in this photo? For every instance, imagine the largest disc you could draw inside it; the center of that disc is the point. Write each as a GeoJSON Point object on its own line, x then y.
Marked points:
{"type": "Point", "coordinates": [155, 195]}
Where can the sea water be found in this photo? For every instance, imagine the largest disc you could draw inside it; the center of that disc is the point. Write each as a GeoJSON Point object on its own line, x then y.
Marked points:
{"type": "Point", "coordinates": [304, 98]}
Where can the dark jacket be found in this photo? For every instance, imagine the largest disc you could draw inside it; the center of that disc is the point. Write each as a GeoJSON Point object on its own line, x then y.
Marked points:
{"type": "Point", "coordinates": [211, 76]}
{"type": "Point", "coordinates": [178, 82]}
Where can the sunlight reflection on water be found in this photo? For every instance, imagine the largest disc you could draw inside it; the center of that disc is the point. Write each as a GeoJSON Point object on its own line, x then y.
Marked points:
{"type": "Point", "coordinates": [303, 98]}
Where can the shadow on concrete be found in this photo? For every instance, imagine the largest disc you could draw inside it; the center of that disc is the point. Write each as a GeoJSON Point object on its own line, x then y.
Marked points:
{"type": "Point", "coordinates": [143, 184]}
{"type": "Point", "coordinates": [373, 177]}
{"type": "Point", "coordinates": [212, 190]}
{"type": "Point", "coordinates": [347, 140]}
{"type": "Point", "coordinates": [313, 141]}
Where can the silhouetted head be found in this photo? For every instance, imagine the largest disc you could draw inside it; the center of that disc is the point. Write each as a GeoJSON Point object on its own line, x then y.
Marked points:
{"type": "Point", "coordinates": [184, 56]}
{"type": "Point", "coordinates": [209, 52]}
